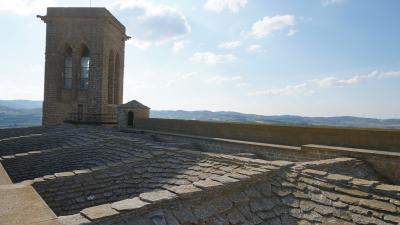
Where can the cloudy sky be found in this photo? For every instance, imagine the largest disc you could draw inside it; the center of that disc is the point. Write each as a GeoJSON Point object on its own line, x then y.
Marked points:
{"type": "Point", "coordinates": [313, 58]}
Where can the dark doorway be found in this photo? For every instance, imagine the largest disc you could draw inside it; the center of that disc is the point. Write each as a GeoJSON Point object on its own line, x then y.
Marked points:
{"type": "Point", "coordinates": [130, 119]}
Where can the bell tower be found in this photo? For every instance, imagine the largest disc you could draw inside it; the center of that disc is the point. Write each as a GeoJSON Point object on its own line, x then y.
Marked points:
{"type": "Point", "coordinates": [84, 67]}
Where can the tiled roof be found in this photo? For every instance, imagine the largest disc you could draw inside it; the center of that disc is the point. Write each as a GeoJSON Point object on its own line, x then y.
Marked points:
{"type": "Point", "coordinates": [134, 104]}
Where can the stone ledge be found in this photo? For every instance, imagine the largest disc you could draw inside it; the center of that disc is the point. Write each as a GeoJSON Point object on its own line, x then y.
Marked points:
{"type": "Point", "coordinates": [233, 141]}
{"type": "Point", "coordinates": [313, 147]}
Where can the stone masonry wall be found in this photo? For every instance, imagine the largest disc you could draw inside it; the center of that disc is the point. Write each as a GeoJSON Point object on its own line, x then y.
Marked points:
{"type": "Point", "coordinates": [376, 139]}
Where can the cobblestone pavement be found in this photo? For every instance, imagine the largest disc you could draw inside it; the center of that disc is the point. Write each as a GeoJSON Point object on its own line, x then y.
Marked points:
{"type": "Point", "coordinates": [95, 175]}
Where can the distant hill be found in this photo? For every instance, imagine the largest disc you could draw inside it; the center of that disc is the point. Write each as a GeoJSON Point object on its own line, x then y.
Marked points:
{"type": "Point", "coordinates": [21, 104]}
{"type": "Point", "coordinates": [19, 117]}
{"type": "Point", "coordinates": [23, 113]}
{"type": "Point", "coordinates": [343, 121]}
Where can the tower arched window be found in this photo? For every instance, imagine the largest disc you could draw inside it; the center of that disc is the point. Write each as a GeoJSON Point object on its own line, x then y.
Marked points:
{"type": "Point", "coordinates": [110, 78]}
{"type": "Point", "coordinates": [67, 73]}
{"type": "Point", "coordinates": [117, 79]}
{"type": "Point", "coordinates": [85, 65]}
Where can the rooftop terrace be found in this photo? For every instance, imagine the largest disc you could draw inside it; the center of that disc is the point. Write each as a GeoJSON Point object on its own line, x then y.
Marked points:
{"type": "Point", "coordinates": [93, 175]}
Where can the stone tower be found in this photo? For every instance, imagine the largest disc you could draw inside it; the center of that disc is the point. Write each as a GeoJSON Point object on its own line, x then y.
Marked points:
{"type": "Point", "coordinates": [84, 67]}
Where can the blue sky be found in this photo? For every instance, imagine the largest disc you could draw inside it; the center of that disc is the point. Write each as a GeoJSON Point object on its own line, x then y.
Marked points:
{"type": "Point", "coordinates": [312, 58]}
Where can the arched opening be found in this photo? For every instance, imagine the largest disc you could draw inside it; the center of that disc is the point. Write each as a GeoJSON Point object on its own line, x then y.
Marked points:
{"type": "Point", "coordinates": [110, 78]}
{"type": "Point", "coordinates": [131, 117]}
{"type": "Point", "coordinates": [85, 65]}
{"type": "Point", "coordinates": [67, 73]}
{"type": "Point", "coordinates": [116, 79]}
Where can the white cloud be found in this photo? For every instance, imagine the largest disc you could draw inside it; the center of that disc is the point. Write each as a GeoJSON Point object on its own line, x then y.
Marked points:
{"type": "Point", "coordinates": [243, 84]}
{"type": "Point", "coordinates": [139, 43]}
{"type": "Point", "coordinates": [220, 5]}
{"type": "Point", "coordinates": [389, 74]}
{"type": "Point", "coordinates": [26, 7]}
{"type": "Point", "coordinates": [334, 82]}
{"type": "Point", "coordinates": [187, 76]}
{"type": "Point", "coordinates": [330, 2]}
{"type": "Point", "coordinates": [255, 48]}
{"type": "Point", "coordinates": [178, 46]}
{"type": "Point", "coordinates": [182, 77]}
{"type": "Point", "coordinates": [310, 86]}
{"type": "Point", "coordinates": [229, 44]}
{"type": "Point", "coordinates": [223, 79]}
{"type": "Point", "coordinates": [149, 22]}
{"type": "Point", "coordinates": [288, 90]}
{"type": "Point", "coordinates": [212, 59]}
{"type": "Point", "coordinates": [268, 25]}
{"type": "Point", "coordinates": [292, 32]}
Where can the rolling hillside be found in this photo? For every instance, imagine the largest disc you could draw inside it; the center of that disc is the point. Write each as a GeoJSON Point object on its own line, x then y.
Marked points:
{"type": "Point", "coordinates": [23, 113]}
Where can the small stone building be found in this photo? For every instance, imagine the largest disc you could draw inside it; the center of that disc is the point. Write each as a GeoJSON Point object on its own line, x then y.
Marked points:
{"type": "Point", "coordinates": [129, 112]}
{"type": "Point", "coordinates": [84, 68]}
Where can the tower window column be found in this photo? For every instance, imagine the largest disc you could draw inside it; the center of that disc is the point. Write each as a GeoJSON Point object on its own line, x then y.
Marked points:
{"type": "Point", "coordinates": [85, 66]}
{"type": "Point", "coordinates": [67, 74]}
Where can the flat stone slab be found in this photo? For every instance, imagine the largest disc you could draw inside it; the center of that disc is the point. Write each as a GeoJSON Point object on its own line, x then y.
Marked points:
{"type": "Point", "coordinates": [75, 219]}
{"type": "Point", "coordinates": [363, 182]}
{"type": "Point", "coordinates": [184, 189]}
{"type": "Point", "coordinates": [20, 204]}
{"type": "Point", "coordinates": [225, 179]}
{"type": "Point", "coordinates": [157, 196]}
{"type": "Point", "coordinates": [98, 212]}
{"type": "Point", "coordinates": [379, 205]}
{"type": "Point", "coordinates": [389, 188]}
{"type": "Point", "coordinates": [338, 177]}
{"type": "Point", "coordinates": [64, 174]}
{"type": "Point", "coordinates": [206, 184]}
{"type": "Point", "coordinates": [129, 204]}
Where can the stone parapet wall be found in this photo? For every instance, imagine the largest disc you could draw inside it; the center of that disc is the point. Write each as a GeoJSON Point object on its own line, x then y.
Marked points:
{"type": "Point", "coordinates": [379, 139]}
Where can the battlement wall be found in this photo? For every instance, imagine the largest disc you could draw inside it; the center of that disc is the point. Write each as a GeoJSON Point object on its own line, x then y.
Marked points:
{"type": "Point", "coordinates": [376, 139]}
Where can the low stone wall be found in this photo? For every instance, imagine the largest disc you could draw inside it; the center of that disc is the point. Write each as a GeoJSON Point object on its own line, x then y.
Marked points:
{"type": "Point", "coordinates": [381, 139]}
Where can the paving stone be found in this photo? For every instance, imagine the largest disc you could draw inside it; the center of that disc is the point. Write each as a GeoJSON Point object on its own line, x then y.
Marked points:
{"type": "Point", "coordinates": [82, 171]}
{"type": "Point", "coordinates": [98, 212]}
{"type": "Point", "coordinates": [351, 191]}
{"type": "Point", "coordinates": [379, 205]}
{"type": "Point", "coordinates": [324, 210]}
{"type": "Point", "coordinates": [225, 179]}
{"type": "Point", "coordinates": [129, 204]}
{"type": "Point", "coordinates": [395, 189]}
{"type": "Point", "coordinates": [307, 206]}
{"type": "Point", "coordinates": [363, 182]}
{"type": "Point", "coordinates": [157, 196]}
{"type": "Point", "coordinates": [207, 184]}
{"type": "Point", "coordinates": [338, 177]}
{"type": "Point", "coordinates": [281, 163]}
{"type": "Point", "coordinates": [394, 219]}
{"type": "Point", "coordinates": [317, 183]}
{"type": "Point", "coordinates": [238, 176]}
{"type": "Point", "coordinates": [184, 189]}
{"type": "Point", "coordinates": [290, 200]}
{"type": "Point", "coordinates": [75, 219]}
{"type": "Point", "coordinates": [315, 172]}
